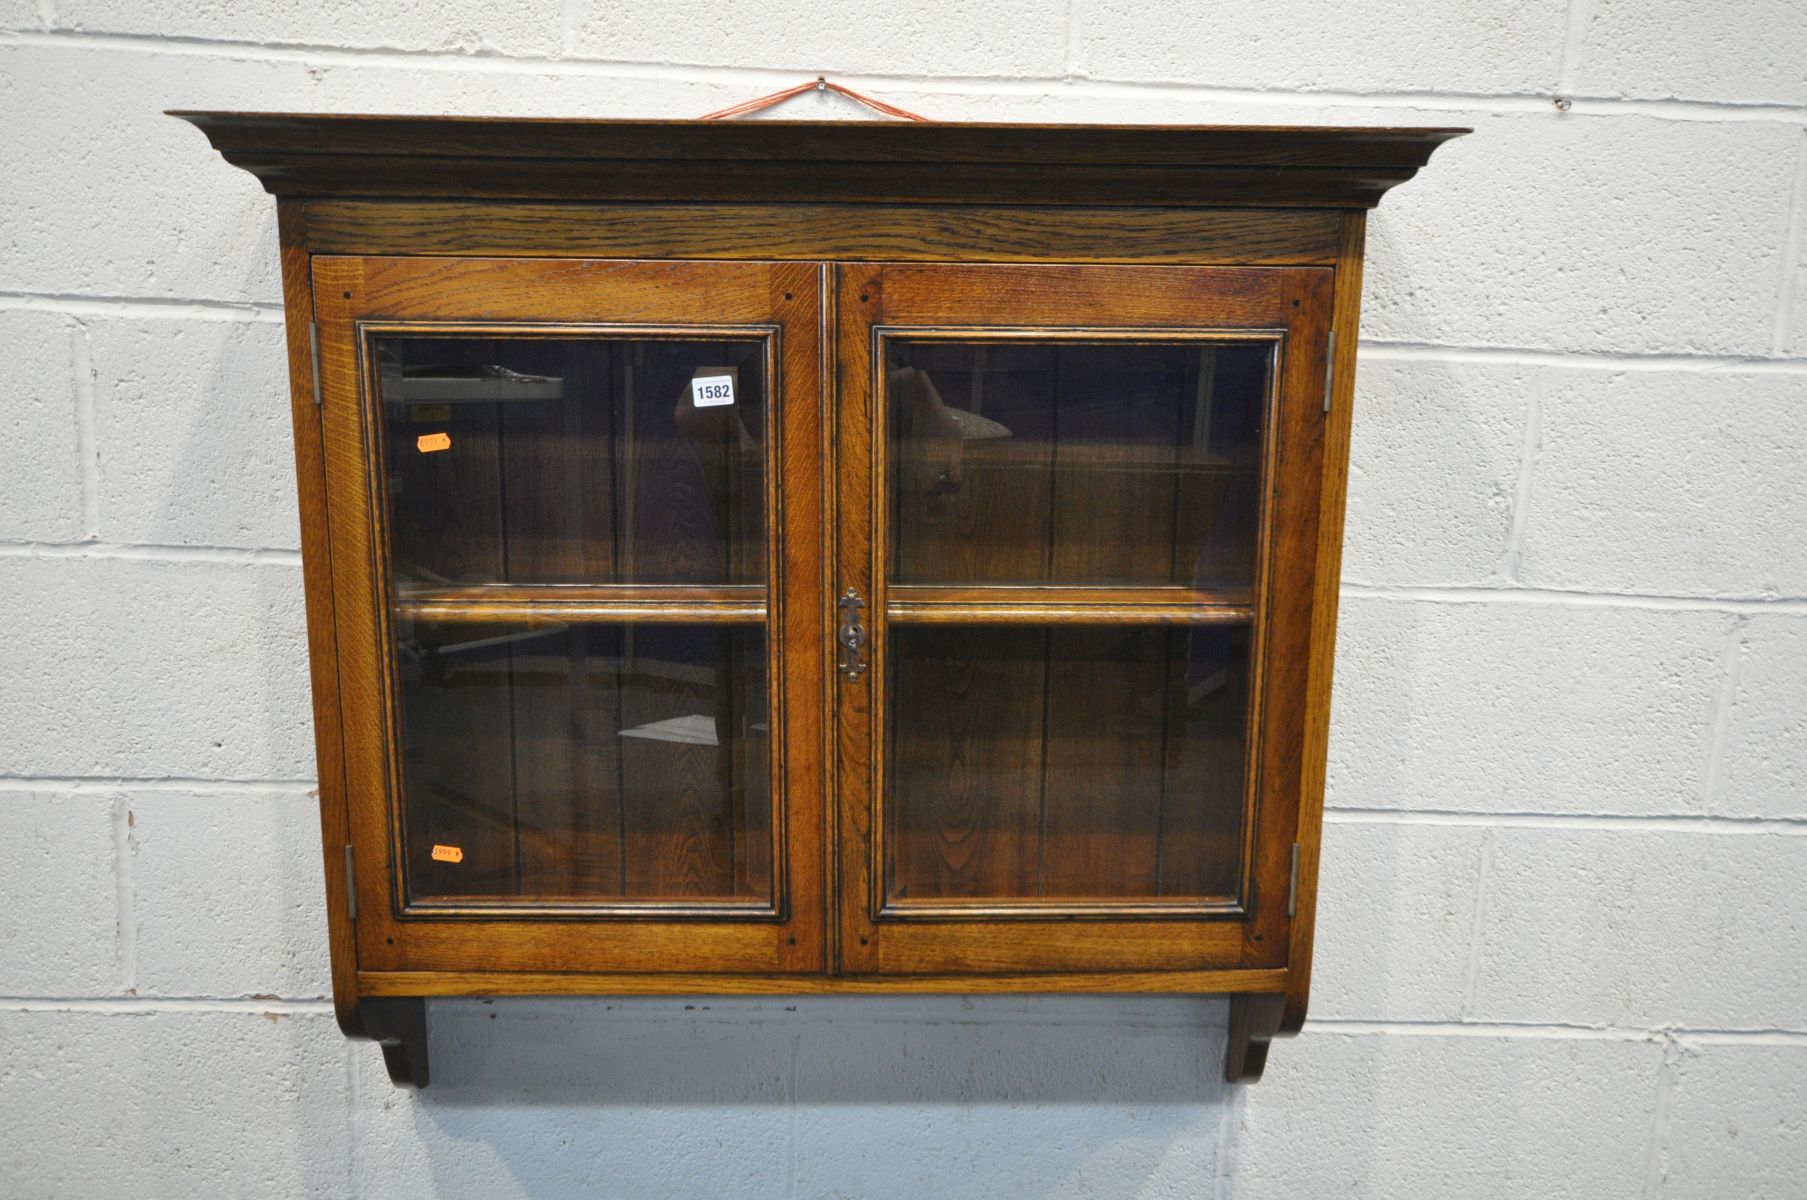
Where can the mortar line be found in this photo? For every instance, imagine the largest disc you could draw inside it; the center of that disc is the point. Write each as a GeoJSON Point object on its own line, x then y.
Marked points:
{"type": "Point", "coordinates": [1546, 1030]}
{"type": "Point", "coordinates": [1596, 360]}
{"type": "Point", "coordinates": [1574, 42]}
{"type": "Point", "coordinates": [1229, 1113]}
{"type": "Point", "coordinates": [144, 1006]}
{"type": "Point", "coordinates": [354, 1104]}
{"type": "Point", "coordinates": [1725, 699]}
{"type": "Point", "coordinates": [1793, 233]}
{"type": "Point", "coordinates": [1494, 593]}
{"type": "Point", "coordinates": [1630, 822]}
{"type": "Point", "coordinates": [1483, 877]}
{"type": "Point", "coordinates": [1556, 1031]}
{"type": "Point", "coordinates": [790, 1170]}
{"type": "Point", "coordinates": [173, 308]}
{"type": "Point", "coordinates": [1662, 1112]}
{"type": "Point", "coordinates": [125, 899]}
{"type": "Point", "coordinates": [192, 308]}
{"type": "Point", "coordinates": [237, 556]}
{"type": "Point", "coordinates": [87, 449]}
{"type": "Point", "coordinates": [494, 62]}
{"type": "Point", "coordinates": [101, 784]}
{"type": "Point", "coordinates": [1529, 445]}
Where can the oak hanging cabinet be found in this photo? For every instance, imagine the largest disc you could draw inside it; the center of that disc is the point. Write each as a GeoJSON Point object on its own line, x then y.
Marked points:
{"type": "Point", "coordinates": [797, 557]}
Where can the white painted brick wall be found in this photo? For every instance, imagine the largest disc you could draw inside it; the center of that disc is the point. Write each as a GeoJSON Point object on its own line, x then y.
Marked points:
{"type": "Point", "coordinates": [1739, 1113]}
{"type": "Point", "coordinates": [181, 467]}
{"type": "Point", "coordinates": [1715, 464]}
{"type": "Point", "coordinates": [1467, 46]}
{"type": "Point", "coordinates": [1753, 51]}
{"type": "Point", "coordinates": [58, 866]}
{"type": "Point", "coordinates": [225, 901]}
{"type": "Point", "coordinates": [1762, 771]}
{"type": "Point", "coordinates": [1396, 911]}
{"type": "Point", "coordinates": [1004, 37]}
{"type": "Point", "coordinates": [1646, 928]}
{"type": "Point", "coordinates": [1524, 707]}
{"type": "Point", "coordinates": [1487, 1115]}
{"type": "Point", "coordinates": [1561, 941]}
{"type": "Point", "coordinates": [524, 27]}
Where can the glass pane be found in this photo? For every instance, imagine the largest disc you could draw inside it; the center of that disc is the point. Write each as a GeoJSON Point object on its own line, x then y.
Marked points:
{"type": "Point", "coordinates": [1076, 462]}
{"type": "Point", "coordinates": [586, 762]}
{"type": "Point", "coordinates": [1065, 763]}
{"type": "Point", "coordinates": [573, 460]}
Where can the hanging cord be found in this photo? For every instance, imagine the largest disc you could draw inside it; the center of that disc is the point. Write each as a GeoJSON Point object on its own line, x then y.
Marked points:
{"type": "Point", "coordinates": [821, 84]}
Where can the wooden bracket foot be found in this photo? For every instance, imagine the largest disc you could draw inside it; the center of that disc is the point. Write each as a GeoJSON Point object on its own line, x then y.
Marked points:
{"type": "Point", "coordinates": [1254, 1021]}
{"type": "Point", "coordinates": [399, 1025]}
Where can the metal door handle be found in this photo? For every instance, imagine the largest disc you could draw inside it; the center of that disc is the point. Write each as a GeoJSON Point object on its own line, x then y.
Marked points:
{"type": "Point", "coordinates": [852, 635]}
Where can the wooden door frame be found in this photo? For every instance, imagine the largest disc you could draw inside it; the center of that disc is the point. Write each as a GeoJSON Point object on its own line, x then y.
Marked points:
{"type": "Point", "coordinates": [1290, 304]}
{"type": "Point", "coordinates": [779, 301]}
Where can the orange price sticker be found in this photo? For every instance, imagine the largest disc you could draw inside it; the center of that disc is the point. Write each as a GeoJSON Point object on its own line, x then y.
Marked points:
{"type": "Point", "coordinates": [429, 442]}
{"type": "Point", "coordinates": [448, 854]}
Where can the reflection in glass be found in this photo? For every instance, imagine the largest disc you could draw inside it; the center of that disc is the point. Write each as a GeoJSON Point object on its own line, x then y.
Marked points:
{"type": "Point", "coordinates": [572, 460]}
{"type": "Point", "coordinates": [1065, 762]}
{"type": "Point", "coordinates": [585, 762]}
{"type": "Point", "coordinates": [1107, 462]}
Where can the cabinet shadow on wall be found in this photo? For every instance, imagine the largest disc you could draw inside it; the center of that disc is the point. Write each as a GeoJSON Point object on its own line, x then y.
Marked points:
{"type": "Point", "coordinates": [838, 1095]}
{"type": "Point", "coordinates": [827, 1049]}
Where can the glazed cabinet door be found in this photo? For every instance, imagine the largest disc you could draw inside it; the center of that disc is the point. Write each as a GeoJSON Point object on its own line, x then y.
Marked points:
{"type": "Point", "coordinates": [1077, 507]}
{"type": "Point", "coordinates": [575, 519]}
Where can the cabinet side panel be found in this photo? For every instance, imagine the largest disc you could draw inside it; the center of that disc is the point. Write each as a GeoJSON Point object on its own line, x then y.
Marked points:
{"type": "Point", "coordinates": [322, 644]}
{"type": "Point", "coordinates": [1345, 324]}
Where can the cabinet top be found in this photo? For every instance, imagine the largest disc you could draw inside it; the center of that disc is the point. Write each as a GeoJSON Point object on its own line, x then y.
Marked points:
{"type": "Point", "coordinates": [506, 158]}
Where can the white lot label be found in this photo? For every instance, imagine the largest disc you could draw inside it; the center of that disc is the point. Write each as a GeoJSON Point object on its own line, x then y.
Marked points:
{"type": "Point", "coordinates": [712, 391]}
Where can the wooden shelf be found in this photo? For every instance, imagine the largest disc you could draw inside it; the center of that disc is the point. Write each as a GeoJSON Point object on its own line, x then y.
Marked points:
{"type": "Point", "coordinates": [532, 603]}
{"type": "Point", "coordinates": [916, 604]}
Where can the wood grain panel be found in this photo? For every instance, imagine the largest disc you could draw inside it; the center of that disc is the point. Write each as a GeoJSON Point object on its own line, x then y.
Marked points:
{"type": "Point", "coordinates": [1102, 785]}
{"type": "Point", "coordinates": [965, 736]}
{"type": "Point", "coordinates": [564, 290]}
{"type": "Point", "coordinates": [1115, 464]}
{"type": "Point", "coordinates": [545, 983]}
{"type": "Point", "coordinates": [1346, 321]}
{"type": "Point", "coordinates": [446, 506]}
{"type": "Point", "coordinates": [1065, 297]}
{"type": "Point", "coordinates": [458, 766]}
{"type": "Point", "coordinates": [559, 465]}
{"type": "Point", "coordinates": [676, 815]}
{"type": "Point", "coordinates": [1279, 237]}
{"type": "Point", "coordinates": [746, 730]}
{"type": "Point", "coordinates": [967, 510]}
{"type": "Point", "coordinates": [675, 531]}
{"type": "Point", "coordinates": [567, 745]}
{"type": "Point", "coordinates": [322, 642]}
{"type": "Point", "coordinates": [1205, 748]}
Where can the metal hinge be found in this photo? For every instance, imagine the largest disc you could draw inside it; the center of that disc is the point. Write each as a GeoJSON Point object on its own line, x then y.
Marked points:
{"type": "Point", "coordinates": [1292, 889]}
{"type": "Point", "coordinates": [351, 883]}
{"type": "Point", "coordinates": [1329, 369]}
{"type": "Point", "coordinates": [313, 343]}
